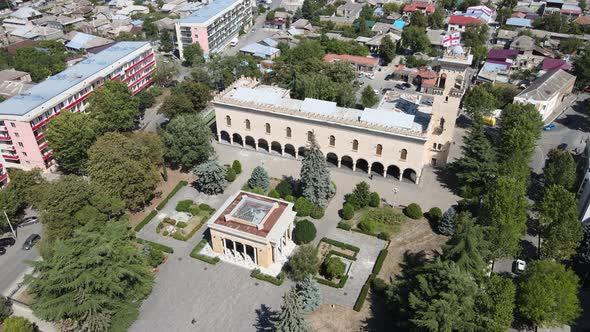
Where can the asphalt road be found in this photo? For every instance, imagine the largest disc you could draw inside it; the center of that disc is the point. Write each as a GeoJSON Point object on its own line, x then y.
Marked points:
{"type": "Point", "coordinates": [14, 263]}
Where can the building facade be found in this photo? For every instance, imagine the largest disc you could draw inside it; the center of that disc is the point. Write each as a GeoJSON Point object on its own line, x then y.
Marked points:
{"type": "Point", "coordinates": [252, 229]}
{"type": "Point", "coordinates": [397, 139]}
{"type": "Point", "coordinates": [214, 25]}
{"type": "Point", "coordinates": [24, 117]}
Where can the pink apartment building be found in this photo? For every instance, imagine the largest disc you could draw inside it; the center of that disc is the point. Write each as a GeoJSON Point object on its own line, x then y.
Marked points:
{"type": "Point", "coordinates": [24, 117]}
{"type": "Point", "coordinates": [213, 26]}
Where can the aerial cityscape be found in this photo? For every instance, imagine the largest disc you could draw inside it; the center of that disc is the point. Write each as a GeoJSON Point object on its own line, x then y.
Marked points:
{"type": "Point", "coordinates": [294, 165]}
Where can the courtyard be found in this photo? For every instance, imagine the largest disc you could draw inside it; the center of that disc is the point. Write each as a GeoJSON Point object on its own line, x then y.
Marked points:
{"type": "Point", "coordinates": [189, 294]}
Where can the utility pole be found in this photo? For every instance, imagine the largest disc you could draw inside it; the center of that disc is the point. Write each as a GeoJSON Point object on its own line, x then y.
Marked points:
{"type": "Point", "coordinates": [9, 224]}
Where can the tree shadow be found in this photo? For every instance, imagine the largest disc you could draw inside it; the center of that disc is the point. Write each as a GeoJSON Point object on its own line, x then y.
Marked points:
{"type": "Point", "coordinates": [528, 250]}
{"type": "Point", "coordinates": [463, 121]}
{"type": "Point", "coordinates": [380, 318]}
{"type": "Point", "coordinates": [583, 322]}
{"type": "Point", "coordinates": [575, 121]}
{"type": "Point", "coordinates": [447, 179]}
{"type": "Point", "coordinates": [264, 318]}
{"type": "Point", "coordinates": [536, 187]}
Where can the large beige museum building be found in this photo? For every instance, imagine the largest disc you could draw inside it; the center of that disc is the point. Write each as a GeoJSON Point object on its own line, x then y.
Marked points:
{"type": "Point", "coordinates": [397, 138]}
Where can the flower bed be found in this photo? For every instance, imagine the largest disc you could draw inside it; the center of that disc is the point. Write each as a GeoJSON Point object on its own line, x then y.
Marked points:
{"type": "Point", "coordinates": [181, 230]}
{"type": "Point", "coordinates": [329, 248]}
{"type": "Point", "coordinates": [207, 259]}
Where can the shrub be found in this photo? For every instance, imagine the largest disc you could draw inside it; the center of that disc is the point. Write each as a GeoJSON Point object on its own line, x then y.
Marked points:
{"type": "Point", "coordinates": [387, 215]}
{"type": "Point", "coordinates": [360, 196]}
{"type": "Point", "coordinates": [154, 245]}
{"type": "Point", "coordinates": [155, 257]}
{"type": "Point", "coordinates": [163, 203]}
{"type": "Point", "coordinates": [184, 206]}
{"type": "Point", "coordinates": [290, 198]}
{"type": "Point", "coordinates": [181, 224]}
{"type": "Point", "coordinates": [374, 199]}
{"type": "Point", "coordinates": [18, 324]}
{"type": "Point", "coordinates": [347, 211]}
{"type": "Point", "coordinates": [341, 245]}
{"type": "Point", "coordinates": [413, 211]}
{"type": "Point", "coordinates": [333, 268]}
{"type": "Point", "coordinates": [165, 233]}
{"type": "Point", "coordinates": [435, 214]}
{"type": "Point", "coordinates": [169, 221]}
{"type": "Point", "coordinates": [178, 236]}
{"type": "Point", "coordinates": [194, 210]}
{"type": "Point", "coordinates": [195, 253]}
{"type": "Point", "coordinates": [259, 178]}
{"type": "Point", "coordinates": [303, 207]}
{"type": "Point", "coordinates": [304, 232]}
{"type": "Point", "coordinates": [230, 175]}
{"type": "Point", "coordinates": [368, 225]}
{"type": "Point", "coordinates": [384, 236]}
{"type": "Point", "coordinates": [258, 190]}
{"type": "Point", "coordinates": [237, 166]}
{"type": "Point", "coordinates": [379, 286]}
{"type": "Point", "coordinates": [303, 262]}
{"type": "Point", "coordinates": [317, 212]}
{"type": "Point", "coordinates": [159, 227]}
{"type": "Point", "coordinates": [204, 206]}
{"type": "Point", "coordinates": [344, 225]}
{"type": "Point", "coordinates": [274, 194]}
{"type": "Point", "coordinates": [360, 301]}
{"type": "Point", "coordinates": [446, 225]}
{"type": "Point", "coordinates": [5, 308]}
{"type": "Point", "coordinates": [284, 188]}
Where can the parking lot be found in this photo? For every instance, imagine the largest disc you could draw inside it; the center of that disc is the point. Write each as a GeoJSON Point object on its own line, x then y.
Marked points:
{"type": "Point", "coordinates": [15, 262]}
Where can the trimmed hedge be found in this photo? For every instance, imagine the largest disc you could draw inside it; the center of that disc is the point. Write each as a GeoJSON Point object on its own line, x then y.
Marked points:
{"type": "Point", "coordinates": [379, 262]}
{"type": "Point", "coordinates": [413, 211]}
{"type": "Point", "coordinates": [145, 220]}
{"type": "Point", "coordinates": [347, 211]}
{"type": "Point", "coordinates": [332, 284]}
{"type": "Point", "coordinates": [155, 245]}
{"type": "Point", "coordinates": [317, 212]}
{"type": "Point", "coordinates": [184, 205]}
{"type": "Point", "coordinates": [360, 301]}
{"type": "Point", "coordinates": [204, 258]}
{"type": "Point", "coordinates": [180, 237]}
{"type": "Point", "coordinates": [277, 281]}
{"type": "Point", "coordinates": [341, 245]}
{"type": "Point", "coordinates": [178, 186]}
{"type": "Point", "coordinates": [304, 232]}
{"type": "Point", "coordinates": [344, 225]}
{"type": "Point", "coordinates": [337, 253]}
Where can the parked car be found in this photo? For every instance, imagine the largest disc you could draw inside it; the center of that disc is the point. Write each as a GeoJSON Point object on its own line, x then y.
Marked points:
{"type": "Point", "coordinates": [400, 87]}
{"type": "Point", "coordinates": [30, 241]}
{"type": "Point", "coordinates": [519, 266]}
{"type": "Point", "coordinates": [562, 146]}
{"type": "Point", "coordinates": [385, 90]}
{"type": "Point", "coordinates": [376, 91]}
{"type": "Point", "coordinates": [7, 242]}
{"type": "Point", "coordinates": [549, 127]}
{"type": "Point", "coordinates": [407, 85]}
{"type": "Point", "coordinates": [29, 221]}
{"type": "Point", "coordinates": [2, 251]}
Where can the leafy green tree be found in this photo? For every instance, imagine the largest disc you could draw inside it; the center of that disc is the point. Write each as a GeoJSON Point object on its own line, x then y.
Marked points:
{"type": "Point", "coordinates": [561, 229]}
{"type": "Point", "coordinates": [369, 97]}
{"type": "Point", "coordinates": [390, 8]}
{"type": "Point", "coordinates": [11, 203]}
{"type": "Point", "coordinates": [113, 108]}
{"type": "Point", "coordinates": [193, 54]}
{"type": "Point", "coordinates": [582, 69]}
{"type": "Point", "coordinates": [237, 167]}
{"type": "Point", "coordinates": [315, 177]}
{"type": "Point", "coordinates": [521, 126]}
{"type": "Point", "coordinates": [333, 268]}
{"type": "Point", "coordinates": [443, 298]}
{"type": "Point", "coordinates": [152, 143]}
{"type": "Point", "coordinates": [467, 247]}
{"type": "Point", "coordinates": [309, 292]}
{"type": "Point", "coordinates": [176, 104]}
{"type": "Point", "coordinates": [259, 178]}
{"type": "Point", "coordinates": [166, 73]}
{"type": "Point", "coordinates": [70, 136]}
{"type": "Point", "coordinates": [560, 169]}
{"type": "Point", "coordinates": [90, 277]}
{"type": "Point", "coordinates": [415, 38]}
{"type": "Point", "coordinates": [478, 164]}
{"type": "Point", "coordinates": [122, 167]}
{"type": "Point", "coordinates": [303, 262]}
{"type": "Point", "coordinates": [166, 44]}
{"type": "Point", "coordinates": [284, 188]}
{"type": "Point", "coordinates": [45, 59]}
{"type": "Point", "coordinates": [197, 93]}
{"type": "Point", "coordinates": [418, 19]}
{"type": "Point", "coordinates": [304, 232]}
{"type": "Point", "coordinates": [211, 177]}
{"type": "Point", "coordinates": [479, 102]}
{"type": "Point", "coordinates": [447, 224]}
{"type": "Point", "coordinates": [495, 304]}
{"type": "Point", "coordinates": [146, 99]}
{"type": "Point", "coordinates": [436, 20]}
{"type": "Point", "coordinates": [291, 317]}
{"type": "Point", "coordinates": [18, 324]}
{"type": "Point", "coordinates": [387, 49]}
{"type": "Point", "coordinates": [548, 296]}
{"type": "Point", "coordinates": [187, 140]}
{"type": "Point", "coordinates": [6, 308]}
{"type": "Point", "coordinates": [360, 196]}
{"type": "Point", "coordinates": [504, 210]}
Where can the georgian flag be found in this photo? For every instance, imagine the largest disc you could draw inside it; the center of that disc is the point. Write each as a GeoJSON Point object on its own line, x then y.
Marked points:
{"type": "Point", "coordinates": [452, 39]}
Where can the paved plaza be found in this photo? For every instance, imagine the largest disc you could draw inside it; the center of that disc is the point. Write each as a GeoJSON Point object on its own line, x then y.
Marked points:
{"type": "Point", "coordinates": [191, 295]}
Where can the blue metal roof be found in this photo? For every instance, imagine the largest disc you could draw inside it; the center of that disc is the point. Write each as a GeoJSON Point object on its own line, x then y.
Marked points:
{"type": "Point", "coordinates": [136, 22]}
{"type": "Point", "coordinates": [22, 104]}
{"type": "Point", "coordinates": [519, 22]}
{"type": "Point", "coordinates": [399, 24]}
{"type": "Point", "coordinates": [80, 40]}
{"type": "Point", "coordinates": [209, 11]}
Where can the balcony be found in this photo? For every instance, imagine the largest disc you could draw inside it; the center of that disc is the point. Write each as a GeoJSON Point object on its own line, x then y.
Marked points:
{"type": "Point", "coordinates": [10, 156]}
{"type": "Point", "coordinates": [47, 155]}
{"type": "Point", "coordinates": [3, 177]}
{"type": "Point", "coordinates": [38, 125]}
{"type": "Point", "coordinates": [43, 146]}
{"type": "Point", "coordinates": [40, 136]}
{"type": "Point", "coordinates": [5, 138]}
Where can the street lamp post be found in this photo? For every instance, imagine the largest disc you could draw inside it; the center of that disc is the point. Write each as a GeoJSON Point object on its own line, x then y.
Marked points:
{"type": "Point", "coordinates": [395, 191]}
{"type": "Point", "coordinates": [9, 224]}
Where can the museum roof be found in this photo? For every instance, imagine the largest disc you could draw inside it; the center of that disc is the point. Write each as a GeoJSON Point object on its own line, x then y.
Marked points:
{"type": "Point", "coordinates": [244, 207]}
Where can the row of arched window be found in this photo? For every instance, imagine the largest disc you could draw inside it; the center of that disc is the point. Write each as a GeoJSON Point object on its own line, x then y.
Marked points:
{"type": "Point", "coordinates": [310, 134]}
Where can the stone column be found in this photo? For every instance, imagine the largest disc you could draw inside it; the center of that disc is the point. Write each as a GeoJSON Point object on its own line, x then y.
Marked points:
{"type": "Point", "coordinates": [353, 166]}
{"type": "Point", "coordinates": [231, 140]}
{"type": "Point", "coordinates": [296, 154]}
{"type": "Point", "coordinates": [255, 145]}
{"type": "Point", "coordinates": [282, 151]}
{"type": "Point", "coordinates": [369, 169]}
{"type": "Point", "coordinates": [269, 149]}
{"type": "Point", "coordinates": [401, 174]}
{"type": "Point", "coordinates": [339, 162]}
{"type": "Point", "coordinates": [219, 138]}
{"type": "Point", "coordinates": [385, 173]}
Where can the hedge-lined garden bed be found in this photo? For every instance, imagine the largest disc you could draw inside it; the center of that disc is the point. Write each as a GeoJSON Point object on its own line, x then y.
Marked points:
{"type": "Point", "coordinates": [160, 206]}
{"type": "Point", "coordinates": [199, 214]}
{"type": "Point", "coordinates": [277, 281]}
{"type": "Point", "coordinates": [334, 272]}
{"type": "Point", "coordinates": [360, 301]}
{"type": "Point", "coordinates": [197, 255]}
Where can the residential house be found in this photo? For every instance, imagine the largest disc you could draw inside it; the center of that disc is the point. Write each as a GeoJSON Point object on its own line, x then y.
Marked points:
{"type": "Point", "coordinates": [519, 22]}
{"type": "Point", "coordinates": [261, 51]}
{"type": "Point", "coordinates": [481, 12]}
{"type": "Point", "coordinates": [360, 63]}
{"type": "Point", "coordinates": [35, 32]}
{"type": "Point", "coordinates": [458, 23]}
{"type": "Point", "coordinates": [79, 41]}
{"type": "Point", "coordinates": [425, 8]}
{"type": "Point", "coordinates": [548, 92]}
{"type": "Point", "coordinates": [349, 10]}
{"type": "Point", "coordinates": [505, 37]}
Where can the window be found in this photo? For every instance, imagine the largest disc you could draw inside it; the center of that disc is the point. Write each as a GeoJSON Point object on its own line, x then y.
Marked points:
{"type": "Point", "coordinates": [21, 144]}
{"type": "Point", "coordinates": [228, 120]}
{"type": "Point", "coordinates": [288, 132]}
{"type": "Point", "coordinates": [332, 140]}
{"type": "Point", "coordinates": [24, 154]}
{"type": "Point", "coordinates": [12, 125]}
{"type": "Point", "coordinates": [247, 124]}
{"type": "Point", "coordinates": [267, 126]}
{"type": "Point", "coordinates": [310, 136]}
{"type": "Point", "coordinates": [379, 149]}
{"type": "Point", "coordinates": [434, 146]}
{"type": "Point", "coordinates": [404, 154]}
{"type": "Point", "coordinates": [446, 99]}
{"type": "Point", "coordinates": [355, 145]}
{"type": "Point", "coordinates": [16, 134]}
{"type": "Point", "coordinates": [439, 147]}
{"type": "Point", "coordinates": [442, 123]}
